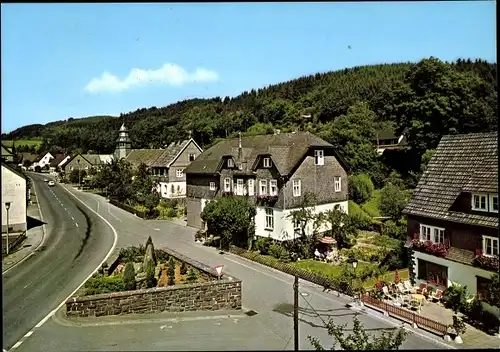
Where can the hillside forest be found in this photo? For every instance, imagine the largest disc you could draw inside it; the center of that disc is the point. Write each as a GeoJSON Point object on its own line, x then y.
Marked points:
{"type": "Point", "coordinates": [425, 100]}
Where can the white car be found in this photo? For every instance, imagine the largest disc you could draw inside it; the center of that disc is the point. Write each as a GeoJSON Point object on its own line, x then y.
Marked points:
{"type": "Point", "coordinates": [45, 180]}
{"type": "Point", "coordinates": [52, 183]}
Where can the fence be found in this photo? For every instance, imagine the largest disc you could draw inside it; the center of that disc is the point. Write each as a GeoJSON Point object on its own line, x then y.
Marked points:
{"type": "Point", "coordinates": [406, 315]}
{"type": "Point", "coordinates": [326, 282]}
{"type": "Point", "coordinates": [128, 208]}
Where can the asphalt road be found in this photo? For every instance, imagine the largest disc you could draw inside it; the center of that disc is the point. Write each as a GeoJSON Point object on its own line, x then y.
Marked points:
{"type": "Point", "coordinates": [265, 290]}
{"type": "Point", "coordinates": [76, 242]}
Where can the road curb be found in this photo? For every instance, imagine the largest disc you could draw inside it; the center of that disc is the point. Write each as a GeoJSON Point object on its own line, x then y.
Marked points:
{"type": "Point", "coordinates": [32, 251]}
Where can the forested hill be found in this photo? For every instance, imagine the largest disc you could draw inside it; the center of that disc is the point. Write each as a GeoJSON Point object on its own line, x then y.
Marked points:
{"type": "Point", "coordinates": [427, 99]}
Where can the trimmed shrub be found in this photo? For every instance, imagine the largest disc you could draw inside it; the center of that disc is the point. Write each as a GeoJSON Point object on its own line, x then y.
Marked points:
{"type": "Point", "coordinates": [360, 188]}
{"type": "Point", "coordinates": [103, 284]}
{"type": "Point", "coordinates": [183, 268]}
{"type": "Point", "coordinates": [132, 254]}
{"type": "Point", "coordinates": [150, 275]}
{"type": "Point", "coordinates": [191, 276]}
{"type": "Point", "coordinates": [129, 277]}
{"type": "Point", "coordinates": [262, 244]}
{"type": "Point", "coordinates": [171, 272]}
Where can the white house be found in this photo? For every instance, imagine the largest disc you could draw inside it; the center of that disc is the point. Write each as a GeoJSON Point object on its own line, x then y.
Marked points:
{"type": "Point", "coordinates": [14, 197]}
{"type": "Point", "coordinates": [43, 160]}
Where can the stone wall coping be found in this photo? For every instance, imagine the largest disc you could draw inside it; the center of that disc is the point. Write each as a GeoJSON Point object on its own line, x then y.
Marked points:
{"type": "Point", "coordinates": [103, 296]}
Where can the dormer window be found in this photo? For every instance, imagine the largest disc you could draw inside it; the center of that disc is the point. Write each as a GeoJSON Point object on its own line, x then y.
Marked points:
{"type": "Point", "coordinates": [479, 202]}
{"type": "Point", "coordinates": [230, 163]}
{"type": "Point", "coordinates": [192, 156]}
{"type": "Point", "coordinates": [319, 157]}
{"type": "Point", "coordinates": [267, 162]}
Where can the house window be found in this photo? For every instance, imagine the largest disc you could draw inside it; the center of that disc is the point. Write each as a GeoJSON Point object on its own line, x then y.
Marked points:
{"type": "Point", "coordinates": [192, 156]}
{"type": "Point", "coordinates": [267, 162]}
{"type": "Point", "coordinates": [251, 187]}
{"type": "Point", "coordinates": [494, 203]}
{"type": "Point", "coordinates": [212, 186]}
{"type": "Point", "coordinates": [179, 173]}
{"type": "Point", "coordinates": [273, 188]}
{"type": "Point", "coordinates": [338, 183]}
{"type": "Point", "coordinates": [490, 246]}
{"type": "Point", "coordinates": [227, 184]}
{"type": "Point", "coordinates": [431, 233]}
{"type": "Point", "coordinates": [296, 188]}
{"type": "Point", "coordinates": [479, 202]}
{"type": "Point", "coordinates": [296, 225]}
{"type": "Point", "coordinates": [239, 186]}
{"type": "Point", "coordinates": [263, 187]}
{"type": "Point", "coordinates": [230, 163]}
{"type": "Point", "coordinates": [319, 157]}
{"type": "Point", "coordinates": [269, 218]}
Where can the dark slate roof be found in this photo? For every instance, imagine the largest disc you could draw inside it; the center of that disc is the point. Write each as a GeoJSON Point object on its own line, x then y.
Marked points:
{"type": "Point", "coordinates": [285, 149]}
{"type": "Point", "coordinates": [97, 159]}
{"type": "Point", "coordinates": [157, 157]}
{"type": "Point", "coordinates": [170, 154]}
{"type": "Point", "coordinates": [29, 156]}
{"type": "Point", "coordinates": [462, 163]}
{"type": "Point", "coordinates": [57, 160]}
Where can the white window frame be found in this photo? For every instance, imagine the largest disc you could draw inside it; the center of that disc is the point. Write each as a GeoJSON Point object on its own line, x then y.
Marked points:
{"type": "Point", "coordinates": [296, 188]}
{"type": "Point", "coordinates": [267, 162]}
{"type": "Point", "coordinates": [273, 187]}
{"type": "Point", "coordinates": [227, 184]}
{"type": "Point", "coordinates": [230, 162]}
{"type": "Point", "coordinates": [240, 187]}
{"type": "Point", "coordinates": [479, 197]}
{"type": "Point", "coordinates": [263, 186]}
{"type": "Point", "coordinates": [212, 186]}
{"type": "Point", "coordinates": [319, 157]}
{"type": "Point", "coordinates": [179, 173]}
{"type": "Point", "coordinates": [297, 225]}
{"type": "Point", "coordinates": [487, 239]}
{"type": "Point", "coordinates": [337, 183]}
{"type": "Point", "coordinates": [431, 233]}
{"type": "Point", "coordinates": [251, 187]}
{"type": "Point", "coordinates": [192, 155]}
{"type": "Point", "coordinates": [269, 219]}
{"type": "Point", "coordinates": [492, 196]}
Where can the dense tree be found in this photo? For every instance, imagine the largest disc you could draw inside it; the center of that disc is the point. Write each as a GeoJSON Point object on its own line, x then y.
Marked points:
{"type": "Point", "coordinates": [342, 227]}
{"type": "Point", "coordinates": [144, 188]}
{"type": "Point", "coordinates": [360, 188]}
{"type": "Point", "coordinates": [359, 339]}
{"type": "Point", "coordinates": [116, 179]}
{"type": "Point", "coordinates": [392, 201]}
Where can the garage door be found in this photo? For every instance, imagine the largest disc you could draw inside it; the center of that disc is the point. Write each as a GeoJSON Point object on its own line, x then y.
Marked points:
{"type": "Point", "coordinates": [193, 208]}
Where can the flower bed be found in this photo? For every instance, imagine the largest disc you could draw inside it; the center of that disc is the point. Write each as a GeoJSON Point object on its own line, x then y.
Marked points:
{"type": "Point", "coordinates": [266, 200]}
{"type": "Point", "coordinates": [438, 249]}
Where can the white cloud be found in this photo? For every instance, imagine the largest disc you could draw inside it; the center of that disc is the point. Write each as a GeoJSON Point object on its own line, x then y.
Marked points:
{"type": "Point", "coordinates": [170, 74]}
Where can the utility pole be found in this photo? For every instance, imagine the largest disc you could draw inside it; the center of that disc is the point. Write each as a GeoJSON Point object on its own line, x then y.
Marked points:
{"type": "Point", "coordinates": [296, 314]}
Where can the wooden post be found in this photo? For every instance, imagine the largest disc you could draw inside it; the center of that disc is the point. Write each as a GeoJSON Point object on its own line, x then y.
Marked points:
{"type": "Point", "coordinates": [296, 314]}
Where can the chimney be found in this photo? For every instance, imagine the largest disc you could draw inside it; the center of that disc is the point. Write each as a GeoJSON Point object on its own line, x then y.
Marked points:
{"type": "Point", "coordinates": [190, 133]}
{"type": "Point", "coordinates": [276, 132]}
{"type": "Point", "coordinates": [239, 147]}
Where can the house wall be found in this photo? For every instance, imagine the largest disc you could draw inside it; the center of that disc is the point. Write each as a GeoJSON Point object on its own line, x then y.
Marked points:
{"type": "Point", "coordinates": [465, 275]}
{"type": "Point", "coordinates": [198, 186]}
{"type": "Point", "coordinates": [315, 180]}
{"type": "Point", "coordinates": [45, 160]}
{"type": "Point", "coordinates": [74, 165]}
{"type": "Point", "coordinates": [165, 189]}
{"type": "Point", "coordinates": [283, 224]}
{"type": "Point", "coordinates": [13, 190]}
{"type": "Point", "coordinates": [182, 162]}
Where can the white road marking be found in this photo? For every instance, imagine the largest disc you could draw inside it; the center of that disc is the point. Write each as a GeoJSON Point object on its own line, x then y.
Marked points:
{"type": "Point", "coordinates": [109, 211]}
{"type": "Point", "coordinates": [25, 286]}
{"type": "Point", "coordinates": [72, 218]}
{"type": "Point", "coordinates": [157, 229]}
{"type": "Point", "coordinates": [29, 333]}
{"type": "Point", "coordinates": [76, 224]}
{"type": "Point", "coordinates": [97, 201]}
{"type": "Point", "coordinates": [115, 234]}
{"type": "Point", "coordinates": [44, 231]}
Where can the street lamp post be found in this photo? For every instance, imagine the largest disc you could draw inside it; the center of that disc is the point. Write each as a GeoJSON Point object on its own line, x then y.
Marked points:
{"type": "Point", "coordinates": [7, 207]}
{"type": "Point", "coordinates": [354, 263]}
{"type": "Point", "coordinates": [79, 175]}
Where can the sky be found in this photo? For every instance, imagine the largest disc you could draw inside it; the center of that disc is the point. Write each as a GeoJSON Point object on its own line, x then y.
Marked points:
{"type": "Point", "coordinates": [75, 60]}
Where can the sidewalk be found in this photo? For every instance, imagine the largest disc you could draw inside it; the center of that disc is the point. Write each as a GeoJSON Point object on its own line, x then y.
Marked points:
{"type": "Point", "coordinates": [34, 238]}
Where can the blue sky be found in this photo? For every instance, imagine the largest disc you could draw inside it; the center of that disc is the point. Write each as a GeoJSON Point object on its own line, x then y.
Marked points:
{"type": "Point", "coordinates": [75, 60]}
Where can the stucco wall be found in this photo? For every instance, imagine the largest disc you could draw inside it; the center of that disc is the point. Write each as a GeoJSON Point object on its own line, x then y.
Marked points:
{"type": "Point", "coordinates": [13, 190]}
{"type": "Point", "coordinates": [462, 274]}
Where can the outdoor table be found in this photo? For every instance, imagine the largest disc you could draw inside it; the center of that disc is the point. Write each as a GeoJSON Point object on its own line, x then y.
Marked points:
{"type": "Point", "coordinates": [418, 297]}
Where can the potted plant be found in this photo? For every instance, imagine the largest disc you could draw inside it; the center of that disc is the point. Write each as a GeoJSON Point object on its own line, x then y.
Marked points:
{"type": "Point", "coordinates": [459, 327]}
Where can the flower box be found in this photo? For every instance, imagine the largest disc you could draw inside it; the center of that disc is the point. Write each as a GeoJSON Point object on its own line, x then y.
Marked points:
{"type": "Point", "coordinates": [267, 200]}
{"type": "Point", "coordinates": [438, 249]}
{"type": "Point", "coordinates": [486, 262]}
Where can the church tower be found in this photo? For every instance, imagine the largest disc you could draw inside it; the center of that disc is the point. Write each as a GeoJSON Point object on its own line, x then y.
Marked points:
{"type": "Point", "coordinates": [123, 143]}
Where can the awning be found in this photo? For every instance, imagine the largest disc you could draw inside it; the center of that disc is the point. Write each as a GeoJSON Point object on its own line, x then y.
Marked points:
{"type": "Point", "coordinates": [328, 240]}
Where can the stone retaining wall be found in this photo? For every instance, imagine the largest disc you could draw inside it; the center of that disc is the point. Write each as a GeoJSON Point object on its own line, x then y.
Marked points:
{"type": "Point", "coordinates": [223, 294]}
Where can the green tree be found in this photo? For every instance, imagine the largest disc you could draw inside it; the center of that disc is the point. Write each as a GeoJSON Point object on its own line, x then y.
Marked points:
{"type": "Point", "coordinates": [392, 201]}
{"type": "Point", "coordinates": [230, 217]}
{"type": "Point", "coordinates": [76, 175]}
{"type": "Point", "coordinates": [145, 188]}
{"type": "Point", "coordinates": [494, 290]}
{"type": "Point", "coordinates": [342, 227]}
{"type": "Point", "coordinates": [359, 339]}
{"type": "Point", "coordinates": [191, 276]}
{"type": "Point", "coordinates": [116, 178]}
{"type": "Point", "coordinates": [426, 157]}
{"type": "Point", "coordinates": [129, 277]}
{"type": "Point", "coordinates": [360, 188]}
{"type": "Point", "coordinates": [150, 275]}
{"type": "Point", "coordinates": [171, 272]}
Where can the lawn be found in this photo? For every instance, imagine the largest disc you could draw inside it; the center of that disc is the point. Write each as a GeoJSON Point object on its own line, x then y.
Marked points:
{"type": "Point", "coordinates": [19, 142]}
{"type": "Point", "coordinates": [371, 206]}
{"type": "Point", "coordinates": [375, 238]}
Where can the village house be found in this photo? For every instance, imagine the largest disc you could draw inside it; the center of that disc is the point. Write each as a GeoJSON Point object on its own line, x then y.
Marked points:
{"type": "Point", "coordinates": [43, 160]}
{"type": "Point", "coordinates": [387, 139]}
{"type": "Point", "coordinates": [86, 162]}
{"type": "Point", "coordinates": [7, 155]}
{"type": "Point", "coordinates": [58, 162]}
{"type": "Point", "coordinates": [166, 165]}
{"type": "Point", "coordinates": [453, 214]}
{"type": "Point", "coordinates": [14, 197]}
{"type": "Point", "coordinates": [27, 159]}
{"type": "Point", "coordinates": [278, 172]}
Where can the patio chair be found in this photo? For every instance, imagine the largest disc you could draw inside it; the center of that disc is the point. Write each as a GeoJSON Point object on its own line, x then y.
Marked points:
{"type": "Point", "coordinates": [409, 288]}
{"type": "Point", "coordinates": [436, 296]}
{"type": "Point", "coordinates": [422, 288]}
{"type": "Point", "coordinates": [402, 289]}
{"type": "Point", "coordinates": [386, 292]}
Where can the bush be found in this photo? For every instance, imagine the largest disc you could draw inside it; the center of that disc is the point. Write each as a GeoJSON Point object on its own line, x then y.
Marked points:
{"type": "Point", "coordinates": [455, 297]}
{"type": "Point", "coordinates": [150, 275]}
{"type": "Point", "coordinates": [141, 209]}
{"type": "Point", "coordinates": [183, 268]}
{"type": "Point", "coordinates": [171, 272]}
{"type": "Point", "coordinates": [262, 244]}
{"type": "Point", "coordinates": [161, 256]}
{"type": "Point", "coordinates": [392, 201]}
{"type": "Point", "coordinates": [132, 254]}
{"type": "Point", "coordinates": [103, 284]}
{"type": "Point", "coordinates": [364, 253]}
{"type": "Point", "coordinates": [129, 277]}
{"type": "Point", "coordinates": [168, 203]}
{"type": "Point", "coordinates": [191, 277]}
{"type": "Point", "coordinates": [359, 217]}
{"type": "Point", "coordinates": [279, 252]}
{"type": "Point", "coordinates": [360, 188]}
{"type": "Point", "coordinates": [394, 229]}
{"type": "Point", "coordinates": [180, 211]}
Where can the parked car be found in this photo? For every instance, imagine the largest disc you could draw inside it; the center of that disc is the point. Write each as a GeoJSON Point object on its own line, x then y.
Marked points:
{"type": "Point", "coordinates": [45, 180]}
{"type": "Point", "coordinates": [52, 183]}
